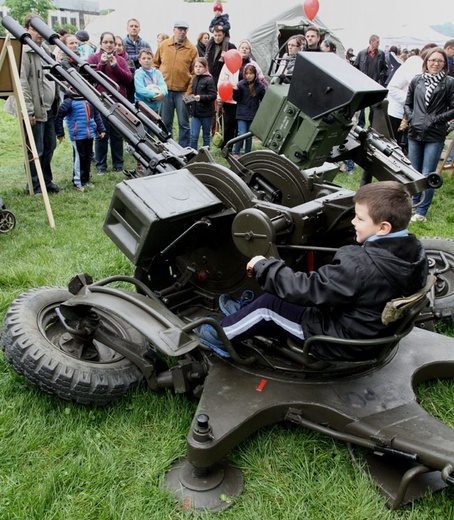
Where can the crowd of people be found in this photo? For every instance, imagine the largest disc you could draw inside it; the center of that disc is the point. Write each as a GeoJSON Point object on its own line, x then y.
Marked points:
{"type": "Point", "coordinates": [182, 78]}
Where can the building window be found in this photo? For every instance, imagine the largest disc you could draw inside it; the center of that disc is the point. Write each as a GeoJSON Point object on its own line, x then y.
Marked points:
{"type": "Point", "coordinates": [64, 20]}
{"type": "Point", "coordinates": [73, 22]}
{"type": "Point", "coordinates": [53, 21]}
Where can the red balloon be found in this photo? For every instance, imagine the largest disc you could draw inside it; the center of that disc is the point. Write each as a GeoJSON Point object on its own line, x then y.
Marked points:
{"type": "Point", "coordinates": [233, 60]}
{"type": "Point", "coordinates": [311, 8]}
{"type": "Point", "coordinates": [225, 90]}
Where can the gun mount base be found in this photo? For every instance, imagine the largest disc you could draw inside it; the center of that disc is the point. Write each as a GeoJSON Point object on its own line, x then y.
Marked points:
{"type": "Point", "coordinates": [204, 488]}
{"type": "Point", "coordinates": [376, 410]}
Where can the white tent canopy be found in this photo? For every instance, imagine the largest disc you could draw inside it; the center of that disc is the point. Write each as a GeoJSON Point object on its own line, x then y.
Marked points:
{"type": "Point", "coordinates": [411, 36]}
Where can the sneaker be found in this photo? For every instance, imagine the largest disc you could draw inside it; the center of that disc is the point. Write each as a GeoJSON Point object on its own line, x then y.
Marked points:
{"type": "Point", "coordinates": [228, 305]}
{"type": "Point", "coordinates": [89, 185]}
{"type": "Point", "coordinates": [343, 168]}
{"type": "Point", "coordinates": [209, 337]}
{"type": "Point", "coordinates": [118, 169]}
{"type": "Point", "coordinates": [101, 172]}
{"type": "Point", "coordinates": [79, 188]}
{"type": "Point", "coordinates": [418, 218]}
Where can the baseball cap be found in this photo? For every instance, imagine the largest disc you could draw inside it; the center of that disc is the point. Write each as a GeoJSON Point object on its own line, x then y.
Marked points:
{"type": "Point", "coordinates": [181, 24]}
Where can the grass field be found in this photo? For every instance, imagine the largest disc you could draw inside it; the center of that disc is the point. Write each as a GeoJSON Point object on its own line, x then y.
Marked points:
{"type": "Point", "coordinates": [61, 461]}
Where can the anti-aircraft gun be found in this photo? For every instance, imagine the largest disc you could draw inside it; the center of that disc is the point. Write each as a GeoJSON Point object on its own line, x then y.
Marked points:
{"type": "Point", "coordinates": [189, 226]}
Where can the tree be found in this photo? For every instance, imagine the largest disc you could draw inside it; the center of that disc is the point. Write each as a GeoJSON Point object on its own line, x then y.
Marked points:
{"type": "Point", "coordinates": [18, 9]}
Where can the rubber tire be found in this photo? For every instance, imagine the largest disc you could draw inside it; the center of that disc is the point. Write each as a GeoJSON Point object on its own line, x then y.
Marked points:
{"type": "Point", "coordinates": [444, 299]}
{"type": "Point", "coordinates": [24, 338]}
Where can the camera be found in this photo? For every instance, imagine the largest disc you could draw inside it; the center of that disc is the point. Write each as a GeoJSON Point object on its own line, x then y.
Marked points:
{"type": "Point", "coordinates": [109, 55]}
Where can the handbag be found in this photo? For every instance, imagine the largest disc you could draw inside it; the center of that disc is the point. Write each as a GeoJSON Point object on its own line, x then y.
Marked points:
{"type": "Point", "coordinates": [218, 137]}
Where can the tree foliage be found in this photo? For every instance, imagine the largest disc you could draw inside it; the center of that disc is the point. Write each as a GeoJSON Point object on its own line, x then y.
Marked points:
{"type": "Point", "coordinates": [18, 9]}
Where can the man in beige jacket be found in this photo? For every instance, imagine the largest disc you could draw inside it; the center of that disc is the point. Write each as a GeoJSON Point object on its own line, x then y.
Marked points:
{"type": "Point", "coordinates": [174, 58]}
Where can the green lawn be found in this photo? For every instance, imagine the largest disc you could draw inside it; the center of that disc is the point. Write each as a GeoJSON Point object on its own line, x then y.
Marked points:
{"type": "Point", "coordinates": [63, 461]}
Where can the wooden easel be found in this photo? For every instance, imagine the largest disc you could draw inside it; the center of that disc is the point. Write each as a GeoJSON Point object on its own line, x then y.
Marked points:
{"type": "Point", "coordinates": [10, 86]}
{"type": "Point", "coordinates": [445, 164]}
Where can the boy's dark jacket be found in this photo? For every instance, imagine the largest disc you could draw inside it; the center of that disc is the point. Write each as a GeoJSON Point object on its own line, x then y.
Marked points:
{"type": "Point", "coordinates": [346, 297]}
{"type": "Point", "coordinates": [221, 22]}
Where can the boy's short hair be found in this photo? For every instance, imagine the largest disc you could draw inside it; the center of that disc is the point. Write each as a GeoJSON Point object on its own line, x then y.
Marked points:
{"type": "Point", "coordinates": [386, 201]}
{"type": "Point", "coordinates": [145, 50]}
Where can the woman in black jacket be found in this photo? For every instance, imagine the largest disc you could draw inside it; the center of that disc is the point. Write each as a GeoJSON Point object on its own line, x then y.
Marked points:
{"type": "Point", "coordinates": [429, 108]}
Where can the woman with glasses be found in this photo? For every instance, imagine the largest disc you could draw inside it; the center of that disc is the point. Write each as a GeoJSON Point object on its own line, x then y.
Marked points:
{"type": "Point", "coordinates": [429, 107]}
{"type": "Point", "coordinates": [116, 69]}
{"type": "Point", "coordinates": [287, 62]}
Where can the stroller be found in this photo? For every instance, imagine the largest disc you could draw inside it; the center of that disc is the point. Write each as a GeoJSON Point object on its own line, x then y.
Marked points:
{"type": "Point", "coordinates": [7, 218]}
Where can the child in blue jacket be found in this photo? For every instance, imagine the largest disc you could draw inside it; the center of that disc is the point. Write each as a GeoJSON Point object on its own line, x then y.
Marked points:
{"type": "Point", "coordinates": [84, 122]}
{"type": "Point", "coordinates": [149, 83]}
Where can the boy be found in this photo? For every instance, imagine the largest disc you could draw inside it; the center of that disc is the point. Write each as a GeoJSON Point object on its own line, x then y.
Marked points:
{"type": "Point", "coordinates": [220, 22]}
{"type": "Point", "coordinates": [343, 299]}
{"type": "Point", "coordinates": [149, 83]}
{"type": "Point", "coordinates": [83, 122]}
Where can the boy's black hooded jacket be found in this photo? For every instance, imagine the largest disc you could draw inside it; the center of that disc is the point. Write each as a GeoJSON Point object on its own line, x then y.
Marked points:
{"type": "Point", "coordinates": [345, 298]}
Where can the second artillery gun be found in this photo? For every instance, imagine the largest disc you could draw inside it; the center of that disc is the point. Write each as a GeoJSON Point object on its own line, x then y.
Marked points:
{"type": "Point", "coordinates": [189, 226]}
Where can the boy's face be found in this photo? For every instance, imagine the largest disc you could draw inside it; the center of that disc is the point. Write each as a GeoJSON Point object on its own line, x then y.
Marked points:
{"type": "Point", "coordinates": [217, 13]}
{"type": "Point", "coordinates": [146, 61]}
{"type": "Point", "coordinates": [365, 226]}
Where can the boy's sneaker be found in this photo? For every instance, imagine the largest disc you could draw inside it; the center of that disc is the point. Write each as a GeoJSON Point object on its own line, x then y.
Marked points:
{"type": "Point", "coordinates": [418, 218]}
{"type": "Point", "coordinates": [228, 305]}
{"type": "Point", "coordinates": [101, 172]}
{"type": "Point", "coordinates": [209, 337]}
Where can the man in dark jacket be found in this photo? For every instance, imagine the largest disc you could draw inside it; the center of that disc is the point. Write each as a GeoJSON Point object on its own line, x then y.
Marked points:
{"type": "Point", "coordinates": [214, 54]}
{"type": "Point", "coordinates": [345, 298]}
{"type": "Point", "coordinates": [372, 62]}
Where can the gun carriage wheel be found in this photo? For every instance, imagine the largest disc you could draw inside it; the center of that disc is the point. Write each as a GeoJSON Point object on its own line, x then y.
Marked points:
{"type": "Point", "coordinates": [7, 221]}
{"type": "Point", "coordinates": [39, 347]}
{"type": "Point", "coordinates": [441, 263]}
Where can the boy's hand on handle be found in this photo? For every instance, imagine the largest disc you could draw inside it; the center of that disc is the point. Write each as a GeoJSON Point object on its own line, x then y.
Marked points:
{"type": "Point", "coordinates": [250, 265]}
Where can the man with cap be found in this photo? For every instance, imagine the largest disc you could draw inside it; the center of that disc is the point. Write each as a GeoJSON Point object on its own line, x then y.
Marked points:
{"type": "Point", "coordinates": [174, 58]}
{"type": "Point", "coordinates": [86, 47]}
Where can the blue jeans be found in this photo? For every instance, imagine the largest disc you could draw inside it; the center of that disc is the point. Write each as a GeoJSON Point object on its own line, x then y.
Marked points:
{"type": "Point", "coordinates": [243, 128]}
{"type": "Point", "coordinates": [46, 141]}
{"type": "Point", "coordinates": [174, 101]}
{"type": "Point", "coordinates": [424, 158]}
{"type": "Point", "coordinates": [102, 145]}
{"type": "Point", "coordinates": [196, 124]}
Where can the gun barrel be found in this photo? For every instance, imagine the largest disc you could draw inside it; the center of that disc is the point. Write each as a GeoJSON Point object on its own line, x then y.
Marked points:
{"type": "Point", "coordinates": [151, 143]}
